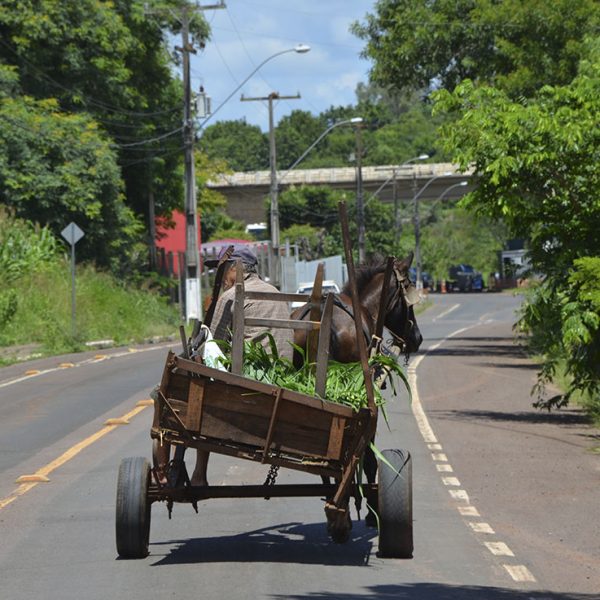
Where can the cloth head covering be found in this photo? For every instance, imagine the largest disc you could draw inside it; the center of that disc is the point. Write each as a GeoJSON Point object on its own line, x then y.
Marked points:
{"type": "Point", "coordinates": [243, 253]}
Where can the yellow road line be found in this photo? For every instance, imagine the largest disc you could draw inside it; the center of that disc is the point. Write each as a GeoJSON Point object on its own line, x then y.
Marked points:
{"type": "Point", "coordinates": [43, 473]}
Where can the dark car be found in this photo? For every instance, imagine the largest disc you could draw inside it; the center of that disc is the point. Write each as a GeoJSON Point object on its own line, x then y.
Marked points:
{"type": "Point", "coordinates": [464, 278]}
{"type": "Point", "coordinates": [425, 277]}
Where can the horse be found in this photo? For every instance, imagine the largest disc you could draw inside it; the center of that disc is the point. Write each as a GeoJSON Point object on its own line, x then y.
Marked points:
{"type": "Point", "coordinates": [399, 320]}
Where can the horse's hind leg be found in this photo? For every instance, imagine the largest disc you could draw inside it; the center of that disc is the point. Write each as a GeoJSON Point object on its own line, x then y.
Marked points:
{"type": "Point", "coordinates": [370, 468]}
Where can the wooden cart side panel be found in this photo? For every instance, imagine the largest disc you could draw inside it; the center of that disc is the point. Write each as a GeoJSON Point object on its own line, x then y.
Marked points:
{"type": "Point", "coordinates": [249, 385]}
{"type": "Point", "coordinates": [245, 419]}
{"type": "Point", "coordinates": [233, 414]}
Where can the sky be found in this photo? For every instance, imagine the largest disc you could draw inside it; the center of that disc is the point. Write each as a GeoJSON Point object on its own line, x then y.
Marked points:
{"type": "Point", "coordinates": [246, 33]}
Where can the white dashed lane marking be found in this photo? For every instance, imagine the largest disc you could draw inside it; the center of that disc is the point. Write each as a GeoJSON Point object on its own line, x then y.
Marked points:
{"type": "Point", "coordinates": [518, 573]}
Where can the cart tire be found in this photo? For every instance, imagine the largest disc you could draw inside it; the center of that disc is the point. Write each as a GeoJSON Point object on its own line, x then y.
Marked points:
{"type": "Point", "coordinates": [395, 505]}
{"type": "Point", "coordinates": [133, 508]}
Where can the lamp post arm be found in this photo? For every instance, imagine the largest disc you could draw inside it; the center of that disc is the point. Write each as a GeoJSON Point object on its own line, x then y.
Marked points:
{"type": "Point", "coordinates": [393, 175]}
{"type": "Point", "coordinates": [305, 153]}
{"type": "Point", "coordinates": [429, 183]}
{"type": "Point", "coordinates": [443, 194]}
{"type": "Point", "coordinates": [203, 124]}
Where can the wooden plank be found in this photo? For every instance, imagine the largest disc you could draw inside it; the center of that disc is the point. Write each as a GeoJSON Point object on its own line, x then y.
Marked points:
{"type": "Point", "coordinates": [272, 423]}
{"type": "Point", "coordinates": [323, 348]}
{"type": "Point", "coordinates": [277, 297]}
{"type": "Point", "coordinates": [193, 417]}
{"type": "Point", "coordinates": [164, 382]}
{"type": "Point", "coordinates": [360, 338]}
{"type": "Point", "coordinates": [336, 437]}
{"type": "Point", "coordinates": [237, 344]}
{"type": "Point", "coordinates": [312, 340]}
{"type": "Point", "coordinates": [283, 323]}
{"type": "Point", "coordinates": [221, 267]}
{"type": "Point", "coordinates": [172, 410]}
{"type": "Point", "coordinates": [184, 343]}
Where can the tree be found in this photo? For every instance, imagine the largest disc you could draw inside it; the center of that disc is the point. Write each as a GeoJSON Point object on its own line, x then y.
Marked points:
{"type": "Point", "coordinates": [242, 146]}
{"type": "Point", "coordinates": [317, 208]}
{"type": "Point", "coordinates": [109, 60]}
{"type": "Point", "coordinates": [56, 167]}
{"type": "Point", "coordinates": [456, 236]}
{"type": "Point", "coordinates": [214, 221]}
{"type": "Point", "coordinates": [518, 45]}
{"type": "Point", "coordinates": [537, 168]}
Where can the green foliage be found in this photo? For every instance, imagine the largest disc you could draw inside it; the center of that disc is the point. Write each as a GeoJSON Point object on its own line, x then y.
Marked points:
{"type": "Point", "coordinates": [563, 319]}
{"type": "Point", "coordinates": [56, 168]}
{"type": "Point", "coordinates": [9, 303]}
{"type": "Point", "coordinates": [106, 309]}
{"type": "Point", "coordinates": [345, 381]}
{"type": "Point", "coordinates": [23, 249]}
{"type": "Point", "coordinates": [317, 207]}
{"type": "Point", "coordinates": [518, 45]}
{"type": "Point", "coordinates": [242, 146]}
{"type": "Point", "coordinates": [454, 236]}
{"type": "Point", "coordinates": [537, 168]}
{"type": "Point", "coordinates": [536, 165]}
{"type": "Point", "coordinates": [109, 62]}
{"type": "Point", "coordinates": [308, 238]}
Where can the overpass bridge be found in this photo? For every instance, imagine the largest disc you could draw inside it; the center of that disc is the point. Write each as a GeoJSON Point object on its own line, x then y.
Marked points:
{"type": "Point", "coordinates": [246, 192]}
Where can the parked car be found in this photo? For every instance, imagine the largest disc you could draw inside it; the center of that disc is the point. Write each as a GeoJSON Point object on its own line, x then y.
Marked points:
{"type": "Point", "coordinates": [425, 277]}
{"type": "Point", "coordinates": [306, 288]}
{"type": "Point", "coordinates": [464, 278]}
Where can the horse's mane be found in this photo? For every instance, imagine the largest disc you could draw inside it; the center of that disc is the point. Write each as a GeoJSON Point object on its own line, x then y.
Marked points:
{"type": "Point", "coordinates": [364, 276]}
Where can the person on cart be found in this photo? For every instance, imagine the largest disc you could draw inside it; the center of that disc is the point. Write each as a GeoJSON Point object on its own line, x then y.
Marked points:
{"type": "Point", "coordinates": [221, 326]}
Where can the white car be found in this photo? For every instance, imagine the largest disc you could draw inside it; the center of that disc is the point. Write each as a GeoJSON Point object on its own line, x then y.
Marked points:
{"type": "Point", "coordinates": [306, 288]}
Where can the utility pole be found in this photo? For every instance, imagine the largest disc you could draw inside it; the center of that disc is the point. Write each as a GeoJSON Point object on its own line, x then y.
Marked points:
{"type": "Point", "coordinates": [193, 295]}
{"type": "Point", "coordinates": [274, 190]}
{"type": "Point", "coordinates": [360, 206]}
{"type": "Point", "coordinates": [417, 225]}
{"type": "Point", "coordinates": [396, 209]}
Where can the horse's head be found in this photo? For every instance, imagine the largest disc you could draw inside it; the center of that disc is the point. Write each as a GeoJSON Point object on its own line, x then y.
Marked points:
{"type": "Point", "coordinates": [400, 318]}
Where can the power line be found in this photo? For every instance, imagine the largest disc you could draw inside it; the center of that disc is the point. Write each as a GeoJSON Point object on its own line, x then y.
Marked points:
{"type": "Point", "coordinates": [150, 140]}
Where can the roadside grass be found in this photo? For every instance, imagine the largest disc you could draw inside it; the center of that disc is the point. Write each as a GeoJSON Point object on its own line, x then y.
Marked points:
{"type": "Point", "coordinates": [105, 309]}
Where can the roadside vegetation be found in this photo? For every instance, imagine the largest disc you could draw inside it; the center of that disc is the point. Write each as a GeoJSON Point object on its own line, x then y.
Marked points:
{"type": "Point", "coordinates": [35, 302]}
{"type": "Point", "coordinates": [517, 86]}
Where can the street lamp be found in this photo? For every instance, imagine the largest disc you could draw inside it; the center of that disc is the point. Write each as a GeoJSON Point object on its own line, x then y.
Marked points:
{"type": "Point", "coordinates": [352, 121]}
{"type": "Point", "coordinates": [451, 187]}
{"type": "Point", "coordinates": [299, 49]}
{"type": "Point", "coordinates": [275, 241]}
{"type": "Point", "coordinates": [193, 292]}
{"type": "Point", "coordinates": [393, 178]}
{"type": "Point", "coordinates": [417, 226]}
{"type": "Point", "coordinates": [394, 173]}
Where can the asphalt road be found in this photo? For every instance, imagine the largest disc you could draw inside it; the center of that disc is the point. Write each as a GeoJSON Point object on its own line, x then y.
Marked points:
{"type": "Point", "coordinates": [506, 499]}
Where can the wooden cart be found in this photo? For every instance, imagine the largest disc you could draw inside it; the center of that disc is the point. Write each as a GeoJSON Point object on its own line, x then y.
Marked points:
{"type": "Point", "coordinates": [224, 412]}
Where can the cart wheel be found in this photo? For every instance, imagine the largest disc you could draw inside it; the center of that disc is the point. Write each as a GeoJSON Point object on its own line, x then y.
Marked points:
{"type": "Point", "coordinates": [155, 463]}
{"type": "Point", "coordinates": [395, 505]}
{"type": "Point", "coordinates": [133, 508]}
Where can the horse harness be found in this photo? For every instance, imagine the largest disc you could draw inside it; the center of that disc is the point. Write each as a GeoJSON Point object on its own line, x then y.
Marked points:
{"type": "Point", "coordinates": [405, 289]}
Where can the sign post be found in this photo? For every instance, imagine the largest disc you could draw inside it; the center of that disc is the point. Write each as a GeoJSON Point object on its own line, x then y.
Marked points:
{"type": "Point", "coordinates": [72, 234]}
